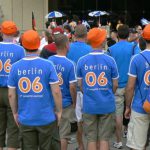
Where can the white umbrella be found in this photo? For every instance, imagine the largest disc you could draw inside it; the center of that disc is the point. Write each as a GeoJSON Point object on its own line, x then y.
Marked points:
{"type": "Point", "coordinates": [98, 14]}
{"type": "Point", "coordinates": [55, 14]}
{"type": "Point", "coordinates": [144, 21]}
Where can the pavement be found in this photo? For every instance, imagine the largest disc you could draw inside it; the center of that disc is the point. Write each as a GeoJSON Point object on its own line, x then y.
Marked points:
{"type": "Point", "coordinates": [74, 145]}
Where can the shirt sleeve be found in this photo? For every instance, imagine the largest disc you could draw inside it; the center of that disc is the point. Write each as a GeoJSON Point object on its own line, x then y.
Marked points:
{"type": "Point", "coordinates": [53, 78]}
{"type": "Point", "coordinates": [79, 73]}
{"type": "Point", "coordinates": [115, 74]}
{"type": "Point", "coordinates": [72, 75]}
{"type": "Point", "coordinates": [12, 83]}
{"type": "Point", "coordinates": [132, 68]}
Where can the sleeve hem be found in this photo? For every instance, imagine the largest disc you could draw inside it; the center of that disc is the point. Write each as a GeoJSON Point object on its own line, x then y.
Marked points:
{"type": "Point", "coordinates": [53, 82]}
{"type": "Point", "coordinates": [132, 75]}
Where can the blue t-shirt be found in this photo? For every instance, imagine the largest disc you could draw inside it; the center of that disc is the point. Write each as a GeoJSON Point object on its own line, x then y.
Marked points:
{"type": "Point", "coordinates": [77, 50]}
{"type": "Point", "coordinates": [122, 53]}
{"type": "Point", "coordinates": [32, 78]}
{"type": "Point", "coordinates": [97, 71]}
{"type": "Point", "coordinates": [140, 69]}
{"type": "Point", "coordinates": [9, 54]}
{"type": "Point", "coordinates": [66, 74]}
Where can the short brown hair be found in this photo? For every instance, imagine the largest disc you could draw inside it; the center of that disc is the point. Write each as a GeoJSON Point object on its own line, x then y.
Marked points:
{"type": "Point", "coordinates": [60, 40]}
{"type": "Point", "coordinates": [123, 31]}
{"type": "Point", "coordinates": [80, 31]}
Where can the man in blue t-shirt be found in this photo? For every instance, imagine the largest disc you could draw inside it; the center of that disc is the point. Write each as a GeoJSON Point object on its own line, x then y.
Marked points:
{"type": "Point", "coordinates": [67, 81]}
{"type": "Point", "coordinates": [36, 83]}
{"type": "Point", "coordinates": [97, 76]}
{"type": "Point", "coordinates": [78, 49]}
{"type": "Point", "coordinates": [136, 93]}
{"type": "Point", "coordinates": [9, 54]}
{"type": "Point", "coordinates": [122, 53]}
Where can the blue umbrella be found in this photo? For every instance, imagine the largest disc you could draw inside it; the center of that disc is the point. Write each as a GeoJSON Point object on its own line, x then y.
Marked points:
{"type": "Point", "coordinates": [54, 14]}
{"type": "Point", "coordinates": [98, 14]}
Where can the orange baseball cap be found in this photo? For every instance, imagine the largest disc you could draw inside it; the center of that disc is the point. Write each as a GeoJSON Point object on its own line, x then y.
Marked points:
{"type": "Point", "coordinates": [146, 32]}
{"type": "Point", "coordinates": [96, 37]}
{"type": "Point", "coordinates": [30, 40]}
{"type": "Point", "coordinates": [8, 28]}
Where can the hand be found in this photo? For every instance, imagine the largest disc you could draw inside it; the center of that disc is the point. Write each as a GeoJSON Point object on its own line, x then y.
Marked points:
{"type": "Point", "coordinates": [58, 114]}
{"type": "Point", "coordinates": [127, 113]}
{"type": "Point", "coordinates": [16, 119]}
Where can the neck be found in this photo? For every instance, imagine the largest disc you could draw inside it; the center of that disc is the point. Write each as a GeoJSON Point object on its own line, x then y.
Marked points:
{"type": "Point", "coordinates": [123, 39]}
{"type": "Point", "coordinates": [62, 52]}
{"type": "Point", "coordinates": [148, 46]}
{"type": "Point", "coordinates": [98, 48]}
{"type": "Point", "coordinates": [80, 39]}
{"type": "Point", "coordinates": [32, 54]}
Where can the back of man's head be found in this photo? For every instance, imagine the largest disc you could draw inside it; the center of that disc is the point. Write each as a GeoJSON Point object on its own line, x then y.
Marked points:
{"type": "Point", "coordinates": [123, 31]}
{"type": "Point", "coordinates": [80, 31]}
{"type": "Point", "coordinates": [61, 41]}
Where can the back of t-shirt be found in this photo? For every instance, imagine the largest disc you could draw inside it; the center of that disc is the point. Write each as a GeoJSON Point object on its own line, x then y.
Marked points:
{"type": "Point", "coordinates": [97, 71]}
{"type": "Point", "coordinates": [77, 50]}
{"type": "Point", "coordinates": [140, 69]}
{"type": "Point", "coordinates": [66, 74]}
{"type": "Point", "coordinates": [122, 53]}
{"type": "Point", "coordinates": [9, 54]}
{"type": "Point", "coordinates": [32, 78]}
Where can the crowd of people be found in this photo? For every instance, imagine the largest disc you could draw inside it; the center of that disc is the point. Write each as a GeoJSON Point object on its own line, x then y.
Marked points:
{"type": "Point", "coordinates": [74, 80]}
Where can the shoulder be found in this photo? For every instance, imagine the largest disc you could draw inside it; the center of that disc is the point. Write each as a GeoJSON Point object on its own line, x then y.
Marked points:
{"type": "Point", "coordinates": [110, 58]}
{"type": "Point", "coordinates": [85, 57]}
{"type": "Point", "coordinates": [45, 61]}
{"type": "Point", "coordinates": [70, 62]}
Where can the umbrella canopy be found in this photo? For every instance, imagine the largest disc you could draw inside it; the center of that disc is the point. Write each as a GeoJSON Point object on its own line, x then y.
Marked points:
{"type": "Point", "coordinates": [98, 13]}
{"type": "Point", "coordinates": [144, 21]}
{"type": "Point", "coordinates": [54, 14]}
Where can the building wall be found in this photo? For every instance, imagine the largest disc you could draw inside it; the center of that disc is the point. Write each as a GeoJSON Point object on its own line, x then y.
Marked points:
{"type": "Point", "coordinates": [20, 11]}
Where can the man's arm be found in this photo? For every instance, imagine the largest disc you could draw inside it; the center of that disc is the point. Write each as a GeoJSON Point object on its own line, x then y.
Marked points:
{"type": "Point", "coordinates": [129, 93]}
{"type": "Point", "coordinates": [13, 103]}
{"type": "Point", "coordinates": [80, 85]}
{"type": "Point", "coordinates": [73, 92]}
{"type": "Point", "coordinates": [115, 85]}
{"type": "Point", "coordinates": [58, 99]}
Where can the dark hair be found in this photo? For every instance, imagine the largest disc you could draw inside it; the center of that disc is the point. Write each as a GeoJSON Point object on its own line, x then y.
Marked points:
{"type": "Point", "coordinates": [123, 31]}
{"type": "Point", "coordinates": [34, 50]}
{"type": "Point", "coordinates": [68, 27]}
{"type": "Point", "coordinates": [147, 41]}
{"type": "Point", "coordinates": [142, 43]}
{"type": "Point", "coordinates": [110, 42]}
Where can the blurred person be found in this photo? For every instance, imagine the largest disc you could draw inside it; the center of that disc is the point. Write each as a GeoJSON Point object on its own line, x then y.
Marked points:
{"type": "Point", "coordinates": [50, 48]}
{"type": "Point", "coordinates": [136, 92]}
{"type": "Point", "coordinates": [119, 23]}
{"type": "Point", "coordinates": [122, 52]}
{"type": "Point", "coordinates": [97, 78]}
{"type": "Point", "coordinates": [79, 48]}
{"type": "Point", "coordinates": [68, 31]}
{"type": "Point", "coordinates": [9, 54]}
{"type": "Point", "coordinates": [67, 83]}
{"type": "Point", "coordinates": [110, 42]}
{"type": "Point", "coordinates": [139, 29]}
{"type": "Point", "coordinates": [142, 43]}
{"type": "Point", "coordinates": [32, 84]}
{"type": "Point", "coordinates": [114, 35]}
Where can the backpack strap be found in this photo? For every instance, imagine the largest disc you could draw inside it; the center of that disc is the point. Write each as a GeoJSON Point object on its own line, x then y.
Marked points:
{"type": "Point", "coordinates": [145, 59]}
{"type": "Point", "coordinates": [139, 86]}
